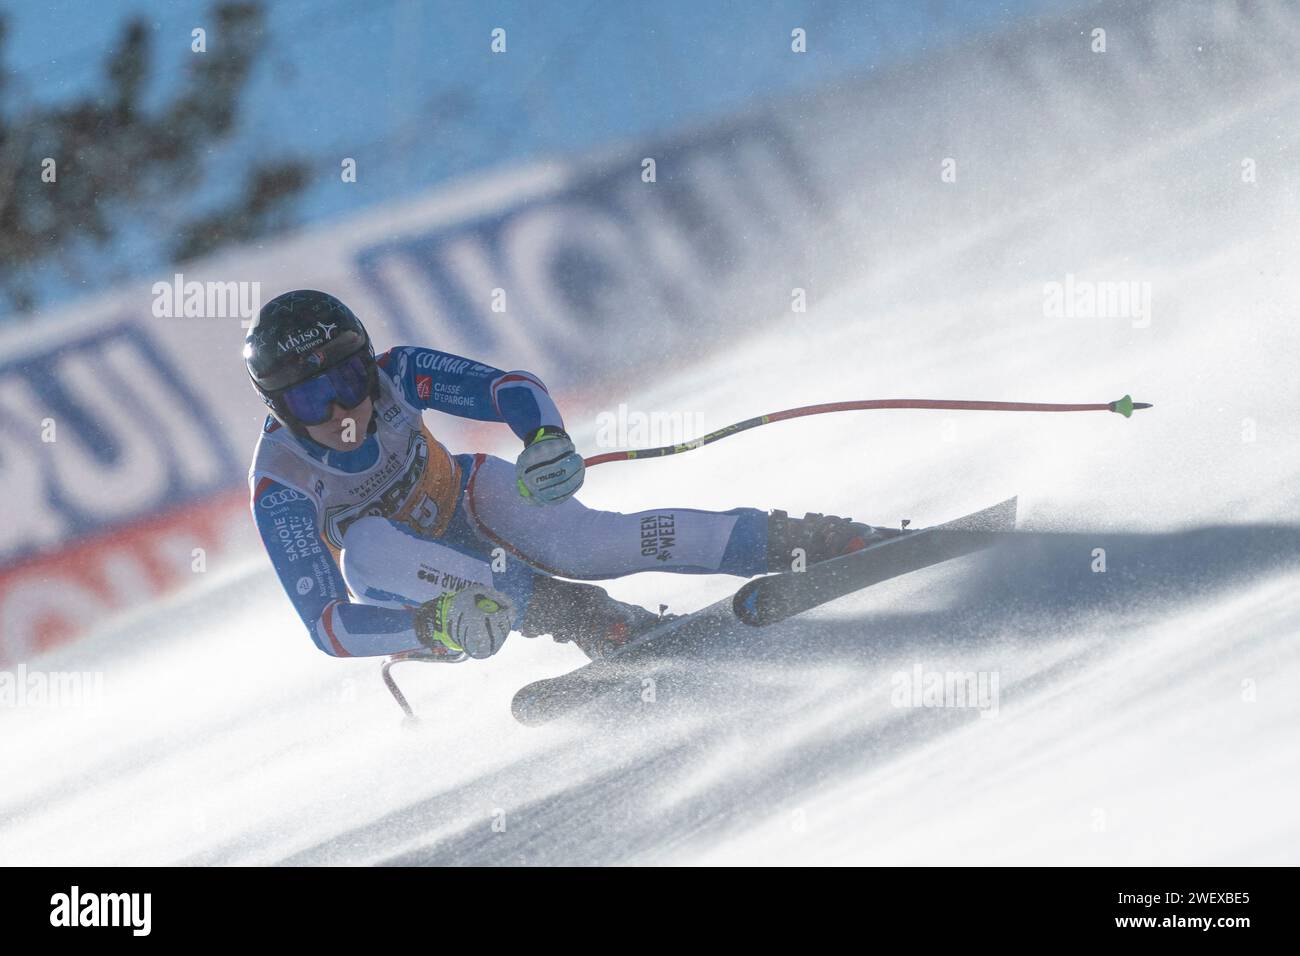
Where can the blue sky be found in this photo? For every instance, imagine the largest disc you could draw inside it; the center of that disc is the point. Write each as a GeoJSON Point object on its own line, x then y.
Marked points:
{"type": "Point", "coordinates": [411, 90]}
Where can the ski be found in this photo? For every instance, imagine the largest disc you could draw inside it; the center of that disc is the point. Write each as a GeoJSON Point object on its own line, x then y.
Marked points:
{"type": "Point", "coordinates": [774, 598]}
{"type": "Point", "coordinates": [545, 700]}
{"type": "Point", "coordinates": [764, 601]}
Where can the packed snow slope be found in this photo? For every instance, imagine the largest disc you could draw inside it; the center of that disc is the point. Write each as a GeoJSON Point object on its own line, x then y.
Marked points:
{"type": "Point", "coordinates": [1144, 713]}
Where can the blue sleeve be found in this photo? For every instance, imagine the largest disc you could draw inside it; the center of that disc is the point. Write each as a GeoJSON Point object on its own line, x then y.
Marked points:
{"type": "Point", "coordinates": [287, 521]}
{"type": "Point", "coordinates": [459, 386]}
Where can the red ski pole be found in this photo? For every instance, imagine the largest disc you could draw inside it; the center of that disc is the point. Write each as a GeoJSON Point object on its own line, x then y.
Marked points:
{"type": "Point", "coordinates": [1124, 406]}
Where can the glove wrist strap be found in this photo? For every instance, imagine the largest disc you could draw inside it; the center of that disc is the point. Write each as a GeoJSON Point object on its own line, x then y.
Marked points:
{"type": "Point", "coordinates": [431, 622]}
{"type": "Point", "coordinates": [546, 431]}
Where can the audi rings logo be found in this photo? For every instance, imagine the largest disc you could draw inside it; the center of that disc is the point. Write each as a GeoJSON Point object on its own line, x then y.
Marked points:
{"type": "Point", "coordinates": [281, 497]}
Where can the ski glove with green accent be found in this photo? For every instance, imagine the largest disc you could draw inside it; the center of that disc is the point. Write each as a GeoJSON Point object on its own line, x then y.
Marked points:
{"type": "Point", "coordinates": [549, 469]}
{"type": "Point", "coordinates": [476, 621]}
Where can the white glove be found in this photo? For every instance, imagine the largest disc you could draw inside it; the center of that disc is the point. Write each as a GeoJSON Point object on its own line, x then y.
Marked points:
{"type": "Point", "coordinates": [476, 621]}
{"type": "Point", "coordinates": [549, 468]}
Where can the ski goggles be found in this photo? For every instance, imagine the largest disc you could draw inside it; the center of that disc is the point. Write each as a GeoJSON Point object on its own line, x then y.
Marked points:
{"type": "Point", "coordinates": [345, 385]}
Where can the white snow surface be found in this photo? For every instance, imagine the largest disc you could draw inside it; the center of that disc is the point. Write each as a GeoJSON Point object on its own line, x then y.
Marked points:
{"type": "Point", "coordinates": [1145, 715]}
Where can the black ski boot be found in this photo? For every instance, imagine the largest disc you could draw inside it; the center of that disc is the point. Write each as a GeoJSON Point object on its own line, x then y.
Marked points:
{"type": "Point", "coordinates": [585, 615]}
{"type": "Point", "coordinates": [821, 537]}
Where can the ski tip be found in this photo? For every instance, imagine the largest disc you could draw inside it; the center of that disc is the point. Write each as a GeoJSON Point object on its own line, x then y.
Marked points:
{"type": "Point", "coordinates": [523, 708]}
{"type": "Point", "coordinates": [744, 605]}
{"type": "Point", "coordinates": [1004, 517]}
{"type": "Point", "coordinates": [998, 517]}
{"type": "Point", "coordinates": [1126, 406]}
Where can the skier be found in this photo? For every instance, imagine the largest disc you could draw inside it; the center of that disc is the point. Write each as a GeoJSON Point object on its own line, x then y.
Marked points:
{"type": "Point", "coordinates": [387, 544]}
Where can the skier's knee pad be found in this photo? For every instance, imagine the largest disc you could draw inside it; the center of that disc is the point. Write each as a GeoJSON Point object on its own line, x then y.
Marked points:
{"type": "Point", "coordinates": [387, 564]}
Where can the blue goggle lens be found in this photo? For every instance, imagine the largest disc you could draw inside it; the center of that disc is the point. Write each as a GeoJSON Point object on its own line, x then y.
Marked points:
{"type": "Point", "coordinates": [345, 385]}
